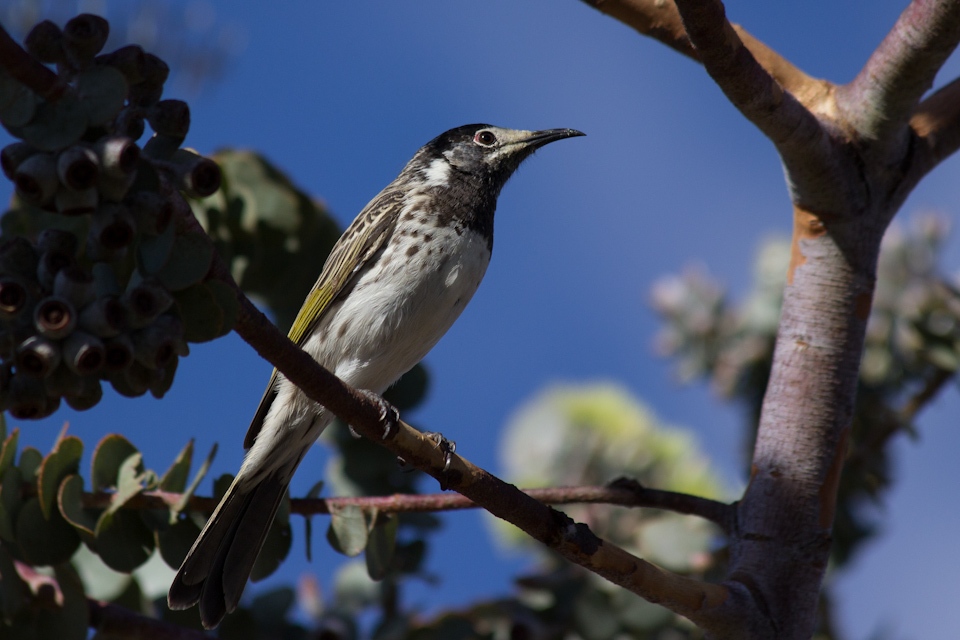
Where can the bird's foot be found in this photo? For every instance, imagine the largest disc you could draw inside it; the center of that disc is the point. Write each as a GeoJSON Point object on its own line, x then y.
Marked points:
{"type": "Point", "coordinates": [389, 416]}
{"type": "Point", "coordinates": [448, 447]}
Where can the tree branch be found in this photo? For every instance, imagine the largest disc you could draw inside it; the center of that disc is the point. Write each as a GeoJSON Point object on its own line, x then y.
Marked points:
{"type": "Point", "coordinates": [749, 86]}
{"type": "Point", "coordinates": [881, 99]}
{"type": "Point", "coordinates": [660, 20]}
{"type": "Point", "coordinates": [720, 513]}
{"type": "Point", "coordinates": [657, 19]}
{"type": "Point", "coordinates": [813, 170]}
{"type": "Point", "coordinates": [112, 620]}
{"type": "Point", "coordinates": [623, 492]}
{"type": "Point", "coordinates": [936, 122]}
{"type": "Point", "coordinates": [27, 70]}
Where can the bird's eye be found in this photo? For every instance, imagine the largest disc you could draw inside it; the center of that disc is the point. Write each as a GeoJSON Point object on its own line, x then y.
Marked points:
{"type": "Point", "coordinates": [486, 138]}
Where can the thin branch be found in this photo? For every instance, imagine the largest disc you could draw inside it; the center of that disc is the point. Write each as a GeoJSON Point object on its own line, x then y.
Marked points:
{"type": "Point", "coordinates": [881, 99]}
{"type": "Point", "coordinates": [624, 492]}
{"type": "Point", "coordinates": [112, 620]}
{"type": "Point", "coordinates": [936, 122]}
{"type": "Point", "coordinates": [721, 514]}
{"type": "Point", "coordinates": [27, 70]}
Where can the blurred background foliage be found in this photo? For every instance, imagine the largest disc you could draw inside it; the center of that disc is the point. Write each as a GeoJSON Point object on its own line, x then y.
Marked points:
{"type": "Point", "coordinates": [189, 36]}
{"type": "Point", "coordinates": [55, 552]}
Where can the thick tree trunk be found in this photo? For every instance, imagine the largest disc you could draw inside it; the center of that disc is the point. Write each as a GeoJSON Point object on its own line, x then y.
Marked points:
{"type": "Point", "coordinates": [786, 514]}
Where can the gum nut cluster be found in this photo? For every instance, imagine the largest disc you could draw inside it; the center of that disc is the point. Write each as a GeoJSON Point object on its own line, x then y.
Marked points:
{"type": "Point", "coordinates": [93, 226]}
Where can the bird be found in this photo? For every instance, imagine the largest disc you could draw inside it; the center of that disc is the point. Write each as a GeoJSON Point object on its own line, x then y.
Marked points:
{"type": "Point", "coordinates": [392, 285]}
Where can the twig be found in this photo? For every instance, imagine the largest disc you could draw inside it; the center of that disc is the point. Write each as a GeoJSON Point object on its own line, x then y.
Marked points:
{"type": "Point", "coordinates": [27, 70]}
{"type": "Point", "coordinates": [623, 492]}
{"type": "Point", "coordinates": [722, 514]}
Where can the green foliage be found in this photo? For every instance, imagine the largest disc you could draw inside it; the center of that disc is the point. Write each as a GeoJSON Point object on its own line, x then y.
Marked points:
{"type": "Point", "coordinates": [102, 277]}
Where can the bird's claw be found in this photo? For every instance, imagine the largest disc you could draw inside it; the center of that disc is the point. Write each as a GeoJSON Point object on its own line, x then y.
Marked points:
{"type": "Point", "coordinates": [448, 447]}
{"type": "Point", "coordinates": [389, 416]}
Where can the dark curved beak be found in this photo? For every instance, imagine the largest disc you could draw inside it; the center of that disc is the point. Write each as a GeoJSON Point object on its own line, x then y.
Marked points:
{"type": "Point", "coordinates": [539, 138]}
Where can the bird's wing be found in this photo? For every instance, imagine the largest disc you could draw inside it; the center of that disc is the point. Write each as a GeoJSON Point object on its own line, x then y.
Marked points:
{"type": "Point", "coordinates": [359, 243]}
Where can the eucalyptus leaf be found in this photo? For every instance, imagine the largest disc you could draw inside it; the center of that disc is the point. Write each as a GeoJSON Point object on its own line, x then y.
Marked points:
{"type": "Point", "coordinates": [30, 459]}
{"type": "Point", "coordinates": [175, 478]}
{"type": "Point", "coordinates": [64, 460]}
{"type": "Point", "coordinates": [124, 542]}
{"type": "Point", "coordinates": [130, 482]}
{"type": "Point", "coordinates": [189, 261]}
{"type": "Point", "coordinates": [56, 125]}
{"type": "Point", "coordinates": [201, 314]}
{"type": "Point", "coordinates": [70, 502]}
{"type": "Point", "coordinates": [175, 541]}
{"type": "Point", "coordinates": [188, 493]}
{"type": "Point", "coordinates": [44, 541]}
{"type": "Point", "coordinates": [153, 252]}
{"type": "Point", "coordinates": [8, 450]}
{"type": "Point", "coordinates": [348, 531]}
{"type": "Point", "coordinates": [103, 90]}
{"type": "Point", "coordinates": [11, 500]}
{"type": "Point", "coordinates": [381, 545]}
{"type": "Point", "coordinates": [108, 457]}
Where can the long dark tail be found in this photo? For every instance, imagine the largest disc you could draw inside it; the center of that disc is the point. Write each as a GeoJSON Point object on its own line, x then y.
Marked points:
{"type": "Point", "coordinates": [218, 565]}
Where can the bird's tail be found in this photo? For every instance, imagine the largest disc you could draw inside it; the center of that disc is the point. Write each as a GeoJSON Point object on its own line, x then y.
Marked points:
{"type": "Point", "coordinates": [217, 567]}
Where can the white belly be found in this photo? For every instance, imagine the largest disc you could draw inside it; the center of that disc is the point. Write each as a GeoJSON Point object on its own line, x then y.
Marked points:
{"type": "Point", "coordinates": [398, 311]}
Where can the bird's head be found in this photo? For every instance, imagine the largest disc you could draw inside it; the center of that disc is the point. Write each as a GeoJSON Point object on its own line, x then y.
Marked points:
{"type": "Point", "coordinates": [484, 151]}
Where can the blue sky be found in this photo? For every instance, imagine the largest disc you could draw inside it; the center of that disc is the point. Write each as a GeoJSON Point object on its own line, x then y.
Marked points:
{"type": "Point", "coordinates": [341, 95]}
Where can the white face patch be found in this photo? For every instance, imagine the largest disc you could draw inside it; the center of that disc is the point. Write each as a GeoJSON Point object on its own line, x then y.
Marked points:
{"type": "Point", "coordinates": [437, 174]}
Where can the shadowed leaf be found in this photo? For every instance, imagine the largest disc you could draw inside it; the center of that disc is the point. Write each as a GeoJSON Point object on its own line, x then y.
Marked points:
{"type": "Point", "coordinates": [70, 501]}
{"type": "Point", "coordinates": [44, 541]}
{"type": "Point", "coordinates": [30, 459]}
{"type": "Point", "coordinates": [123, 540]}
{"type": "Point", "coordinates": [109, 455]}
{"type": "Point", "coordinates": [381, 545]}
{"type": "Point", "coordinates": [175, 478]}
{"type": "Point", "coordinates": [348, 531]}
{"type": "Point", "coordinates": [64, 460]}
{"type": "Point", "coordinates": [8, 451]}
